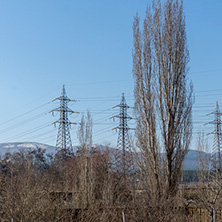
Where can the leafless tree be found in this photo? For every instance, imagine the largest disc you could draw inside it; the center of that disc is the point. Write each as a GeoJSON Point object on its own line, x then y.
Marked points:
{"type": "Point", "coordinates": [163, 97]}
{"type": "Point", "coordinates": [85, 141]}
{"type": "Point", "coordinates": [85, 132]}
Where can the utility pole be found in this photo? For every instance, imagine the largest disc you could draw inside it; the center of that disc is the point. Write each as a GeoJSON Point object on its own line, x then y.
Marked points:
{"type": "Point", "coordinates": [63, 141]}
{"type": "Point", "coordinates": [216, 161]}
{"type": "Point", "coordinates": [123, 159]}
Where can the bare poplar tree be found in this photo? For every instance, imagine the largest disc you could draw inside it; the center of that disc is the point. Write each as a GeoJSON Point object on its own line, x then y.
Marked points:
{"type": "Point", "coordinates": [163, 97]}
{"type": "Point", "coordinates": [85, 132]}
{"type": "Point", "coordinates": [85, 140]}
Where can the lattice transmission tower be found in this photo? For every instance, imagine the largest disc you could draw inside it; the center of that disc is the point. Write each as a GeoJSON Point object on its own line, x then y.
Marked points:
{"type": "Point", "coordinates": [123, 162]}
{"type": "Point", "coordinates": [63, 141]}
{"type": "Point", "coordinates": [216, 160]}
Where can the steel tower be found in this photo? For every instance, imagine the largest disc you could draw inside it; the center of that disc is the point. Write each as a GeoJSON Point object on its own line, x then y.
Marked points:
{"type": "Point", "coordinates": [123, 159]}
{"type": "Point", "coordinates": [63, 141]}
{"type": "Point", "coordinates": [217, 142]}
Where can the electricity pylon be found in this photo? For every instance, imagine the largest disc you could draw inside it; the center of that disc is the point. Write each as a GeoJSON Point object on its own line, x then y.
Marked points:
{"type": "Point", "coordinates": [123, 162]}
{"type": "Point", "coordinates": [216, 159]}
{"type": "Point", "coordinates": [63, 141]}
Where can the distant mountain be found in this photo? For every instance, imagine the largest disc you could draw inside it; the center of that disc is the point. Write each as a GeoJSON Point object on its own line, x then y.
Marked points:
{"type": "Point", "coordinates": [14, 147]}
{"type": "Point", "coordinates": [190, 162]}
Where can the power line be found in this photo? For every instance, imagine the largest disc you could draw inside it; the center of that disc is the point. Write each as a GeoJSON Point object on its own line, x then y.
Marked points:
{"type": "Point", "coordinates": [29, 131]}
{"type": "Point", "coordinates": [24, 113]}
{"type": "Point", "coordinates": [23, 122]}
{"type": "Point", "coordinates": [41, 134]}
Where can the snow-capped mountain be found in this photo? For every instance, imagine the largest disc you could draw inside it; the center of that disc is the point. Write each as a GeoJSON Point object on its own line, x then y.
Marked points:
{"type": "Point", "coordinates": [14, 147]}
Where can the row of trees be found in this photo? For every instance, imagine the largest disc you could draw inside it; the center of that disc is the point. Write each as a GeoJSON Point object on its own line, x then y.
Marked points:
{"type": "Point", "coordinates": [38, 187]}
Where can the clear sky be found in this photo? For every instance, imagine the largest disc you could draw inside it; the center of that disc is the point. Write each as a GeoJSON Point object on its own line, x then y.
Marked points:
{"type": "Point", "coordinates": [87, 45]}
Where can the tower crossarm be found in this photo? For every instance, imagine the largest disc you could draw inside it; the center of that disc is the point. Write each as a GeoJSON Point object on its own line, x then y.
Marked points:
{"type": "Point", "coordinates": [214, 122]}
{"type": "Point", "coordinates": [67, 110]}
{"type": "Point", "coordinates": [122, 127]}
{"type": "Point", "coordinates": [122, 116]}
{"type": "Point", "coordinates": [121, 106]}
{"type": "Point", "coordinates": [61, 121]}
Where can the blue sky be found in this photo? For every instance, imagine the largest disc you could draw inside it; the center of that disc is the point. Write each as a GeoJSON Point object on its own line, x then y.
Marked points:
{"type": "Point", "coordinates": [87, 45]}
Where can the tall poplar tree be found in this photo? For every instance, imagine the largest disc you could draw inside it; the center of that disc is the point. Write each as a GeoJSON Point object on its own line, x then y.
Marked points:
{"type": "Point", "coordinates": [163, 97]}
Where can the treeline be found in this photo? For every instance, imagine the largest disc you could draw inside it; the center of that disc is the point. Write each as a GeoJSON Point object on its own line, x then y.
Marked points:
{"type": "Point", "coordinates": [36, 186]}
